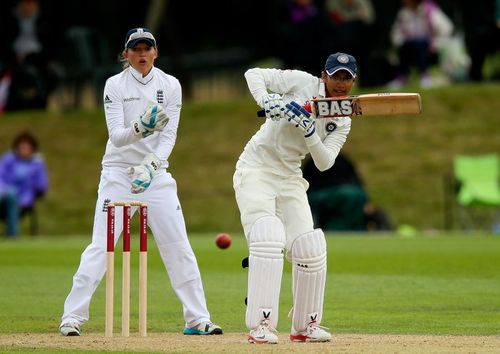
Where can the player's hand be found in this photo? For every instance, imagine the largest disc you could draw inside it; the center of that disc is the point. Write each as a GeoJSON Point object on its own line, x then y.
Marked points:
{"type": "Point", "coordinates": [274, 107]}
{"type": "Point", "coordinates": [153, 119]}
{"type": "Point", "coordinates": [301, 118]}
{"type": "Point", "coordinates": [143, 174]}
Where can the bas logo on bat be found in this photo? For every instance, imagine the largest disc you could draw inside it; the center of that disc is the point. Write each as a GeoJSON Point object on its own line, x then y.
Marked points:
{"type": "Point", "coordinates": [346, 107]}
{"type": "Point", "coordinates": [376, 104]}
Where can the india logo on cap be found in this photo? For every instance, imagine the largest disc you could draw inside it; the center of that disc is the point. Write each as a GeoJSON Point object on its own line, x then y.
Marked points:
{"type": "Point", "coordinates": [343, 59]}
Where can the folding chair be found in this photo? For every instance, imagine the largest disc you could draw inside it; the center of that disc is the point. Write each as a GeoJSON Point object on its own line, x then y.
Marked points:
{"type": "Point", "coordinates": [476, 191]}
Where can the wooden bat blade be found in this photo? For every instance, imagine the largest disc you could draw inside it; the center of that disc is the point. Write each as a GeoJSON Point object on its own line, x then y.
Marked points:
{"type": "Point", "coordinates": [375, 104]}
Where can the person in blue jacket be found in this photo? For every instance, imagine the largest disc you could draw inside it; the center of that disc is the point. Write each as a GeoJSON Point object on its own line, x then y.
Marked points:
{"type": "Point", "coordinates": [23, 179]}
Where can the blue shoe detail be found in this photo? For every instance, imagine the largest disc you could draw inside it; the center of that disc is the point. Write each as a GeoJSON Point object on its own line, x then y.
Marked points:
{"type": "Point", "coordinates": [204, 328]}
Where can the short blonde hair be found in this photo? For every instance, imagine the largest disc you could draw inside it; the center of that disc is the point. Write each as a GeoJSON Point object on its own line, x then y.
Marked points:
{"type": "Point", "coordinates": [123, 61]}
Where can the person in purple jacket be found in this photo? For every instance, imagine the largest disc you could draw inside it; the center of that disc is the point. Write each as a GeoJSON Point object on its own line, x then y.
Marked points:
{"type": "Point", "coordinates": [23, 179]}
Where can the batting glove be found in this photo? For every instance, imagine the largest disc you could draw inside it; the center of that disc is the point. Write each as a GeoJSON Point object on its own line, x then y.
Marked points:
{"type": "Point", "coordinates": [301, 118]}
{"type": "Point", "coordinates": [153, 119]}
{"type": "Point", "coordinates": [274, 107]}
{"type": "Point", "coordinates": [143, 174]}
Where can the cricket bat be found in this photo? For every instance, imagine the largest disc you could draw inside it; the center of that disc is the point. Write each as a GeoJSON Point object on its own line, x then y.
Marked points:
{"type": "Point", "coordinates": [373, 104]}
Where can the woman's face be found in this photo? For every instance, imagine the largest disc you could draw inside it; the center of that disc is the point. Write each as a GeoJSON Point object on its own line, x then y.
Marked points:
{"type": "Point", "coordinates": [338, 84]}
{"type": "Point", "coordinates": [141, 57]}
{"type": "Point", "coordinates": [24, 150]}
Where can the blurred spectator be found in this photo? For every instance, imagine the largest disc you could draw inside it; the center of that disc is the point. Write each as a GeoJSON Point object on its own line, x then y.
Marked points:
{"type": "Point", "coordinates": [482, 33]}
{"type": "Point", "coordinates": [28, 73]}
{"type": "Point", "coordinates": [23, 179]}
{"type": "Point", "coordinates": [350, 22]}
{"type": "Point", "coordinates": [339, 201]}
{"type": "Point", "coordinates": [497, 14]}
{"type": "Point", "coordinates": [302, 27]}
{"type": "Point", "coordinates": [420, 29]}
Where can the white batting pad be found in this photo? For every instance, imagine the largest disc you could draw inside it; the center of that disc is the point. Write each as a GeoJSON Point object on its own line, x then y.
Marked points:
{"type": "Point", "coordinates": [265, 267]}
{"type": "Point", "coordinates": [309, 278]}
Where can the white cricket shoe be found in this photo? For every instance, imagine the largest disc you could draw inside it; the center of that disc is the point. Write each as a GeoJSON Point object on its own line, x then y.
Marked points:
{"type": "Point", "coordinates": [313, 333]}
{"type": "Point", "coordinates": [70, 329]}
{"type": "Point", "coordinates": [263, 334]}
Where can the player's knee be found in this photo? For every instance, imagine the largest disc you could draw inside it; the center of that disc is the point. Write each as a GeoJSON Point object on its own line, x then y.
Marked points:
{"type": "Point", "coordinates": [309, 251]}
{"type": "Point", "coordinates": [267, 237]}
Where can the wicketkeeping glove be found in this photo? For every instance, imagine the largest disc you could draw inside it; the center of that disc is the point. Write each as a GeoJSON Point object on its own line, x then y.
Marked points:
{"type": "Point", "coordinates": [153, 119]}
{"type": "Point", "coordinates": [143, 173]}
{"type": "Point", "coordinates": [274, 107]}
{"type": "Point", "coordinates": [301, 118]}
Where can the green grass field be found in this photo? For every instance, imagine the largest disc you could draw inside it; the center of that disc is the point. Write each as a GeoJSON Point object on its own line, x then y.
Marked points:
{"type": "Point", "coordinates": [413, 153]}
{"type": "Point", "coordinates": [442, 284]}
{"type": "Point", "coordinates": [430, 284]}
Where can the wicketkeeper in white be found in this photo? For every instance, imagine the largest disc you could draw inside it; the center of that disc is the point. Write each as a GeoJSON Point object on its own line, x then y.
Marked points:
{"type": "Point", "coordinates": [271, 194]}
{"type": "Point", "coordinates": [142, 107]}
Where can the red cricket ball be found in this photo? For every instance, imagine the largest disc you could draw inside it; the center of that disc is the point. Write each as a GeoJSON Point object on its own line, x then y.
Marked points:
{"type": "Point", "coordinates": [223, 240]}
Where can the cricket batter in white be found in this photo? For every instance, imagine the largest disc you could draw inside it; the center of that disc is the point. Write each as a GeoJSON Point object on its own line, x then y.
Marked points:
{"type": "Point", "coordinates": [271, 195]}
{"type": "Point", "coordinates": [142, 107]}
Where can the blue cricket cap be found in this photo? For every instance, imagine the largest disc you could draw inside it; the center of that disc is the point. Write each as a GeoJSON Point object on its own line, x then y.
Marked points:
{"type": "Point", "coordinates": [341, 61]}
{"type": "Point", "coordinates": [139, 35]}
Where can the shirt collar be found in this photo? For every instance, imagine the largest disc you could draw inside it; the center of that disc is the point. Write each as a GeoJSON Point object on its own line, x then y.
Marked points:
{"type": "Point", "coordinates": [138, 76]}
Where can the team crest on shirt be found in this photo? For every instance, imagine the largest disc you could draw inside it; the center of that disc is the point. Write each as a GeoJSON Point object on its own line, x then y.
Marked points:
{"type": "Point", "coordinates": [330, 127]}
{"type": "Point", "coordinates": [159, 96]}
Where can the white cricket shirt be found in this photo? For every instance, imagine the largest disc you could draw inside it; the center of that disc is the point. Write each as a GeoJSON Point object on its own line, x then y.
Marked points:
{"type": "Point", "coordinates": [279, 147]}
{"type": "Point", "coordinates": [127, 95]}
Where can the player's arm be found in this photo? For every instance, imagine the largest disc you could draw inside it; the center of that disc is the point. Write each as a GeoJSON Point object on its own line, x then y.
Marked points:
{"type": "Point", "coordinates": [267, 87]}
{"type": "Point", "coordinates": [397, 33]}
{"type": "Point", "coordinates": [143, 174]}
{"type": "Point", "coordinates": [120, 134]}
{"type": "Point", "coordinates": [261, 81]}
{"type": "Point", "coordinates": [324, 152]}
{"type": "Point", "coordinates": [168, 136]}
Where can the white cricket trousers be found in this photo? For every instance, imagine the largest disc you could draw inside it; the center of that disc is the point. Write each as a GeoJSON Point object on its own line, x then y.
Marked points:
{"type": "Point", "coordinates": [166, 222]}
{"type": "Point", "coordinates": [261, 193]}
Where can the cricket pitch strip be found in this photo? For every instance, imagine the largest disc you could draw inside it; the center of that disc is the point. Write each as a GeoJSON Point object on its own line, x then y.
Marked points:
{"type": "Point", "coordinates": [237, 343]}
